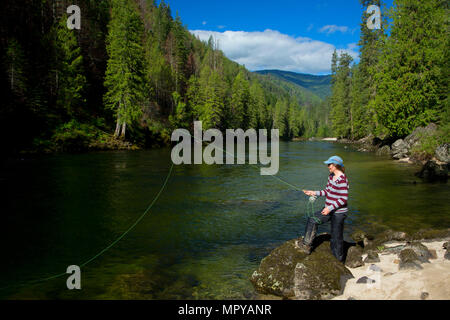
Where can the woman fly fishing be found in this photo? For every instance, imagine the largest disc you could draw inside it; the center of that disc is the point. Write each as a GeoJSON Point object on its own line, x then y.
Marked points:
{"type": "Point", "coordinates": [336, 193]}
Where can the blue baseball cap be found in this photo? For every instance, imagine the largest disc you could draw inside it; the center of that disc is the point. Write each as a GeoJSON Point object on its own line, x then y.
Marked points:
{"type": "Point", "coordinates": [335, 160]}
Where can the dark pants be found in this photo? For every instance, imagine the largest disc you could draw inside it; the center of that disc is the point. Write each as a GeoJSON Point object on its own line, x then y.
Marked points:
{"type": "Point", "coordinates": [337, 231]}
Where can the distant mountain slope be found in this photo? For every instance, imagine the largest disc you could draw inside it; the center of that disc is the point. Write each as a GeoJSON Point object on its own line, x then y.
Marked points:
{"type": "Point", "coordinates": [281, 87]}
{"type": "Point", "coordinates": [319, 85]}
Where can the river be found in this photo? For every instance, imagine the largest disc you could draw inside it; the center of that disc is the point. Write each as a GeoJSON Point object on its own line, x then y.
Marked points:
{"type": "Point", "coordinates": [204, 236]}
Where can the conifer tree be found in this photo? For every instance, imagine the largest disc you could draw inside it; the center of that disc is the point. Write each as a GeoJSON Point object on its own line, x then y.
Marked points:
{"type": "Point", "coordinates": [14, 64]}
{"type": "Point", "coordinates": [125, 74]}
{"type": "Point", "coordinates": [69, 73]}
{"type": "Point", "coordinates": [412, 74]}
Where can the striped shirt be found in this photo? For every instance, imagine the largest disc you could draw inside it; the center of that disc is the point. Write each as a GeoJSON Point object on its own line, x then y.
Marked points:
{"type": "Point", "coordinates": [336, 193]}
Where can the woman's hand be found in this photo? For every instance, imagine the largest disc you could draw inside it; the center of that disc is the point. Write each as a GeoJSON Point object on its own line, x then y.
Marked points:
{"type": "Point", "coordinates": [309, 193]}
{"type": "Point", "coordinates": [325, 211]}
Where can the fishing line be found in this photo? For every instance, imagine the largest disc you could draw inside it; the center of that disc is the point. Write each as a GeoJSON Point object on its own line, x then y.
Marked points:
{"type": "Point", "coordinates": [309, 213]}
{"type": "Point", "coordinates": [109, 246]}
{"type": "Point", "coordinates": [310, 210]}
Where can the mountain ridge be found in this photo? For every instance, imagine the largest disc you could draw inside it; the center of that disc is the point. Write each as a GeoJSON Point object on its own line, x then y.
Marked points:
{"type": "Point", "coordinates": [319, 85]}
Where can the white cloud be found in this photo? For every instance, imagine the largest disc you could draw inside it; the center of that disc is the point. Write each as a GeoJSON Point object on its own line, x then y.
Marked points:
{"type": "Point", "coordinates": [330, 29]}
{"type": "Point", "coordinates": [273, 50]}
{"type": "Point", "coordinates": [204, 22]}
{"type": "Point", "coordinates": [221, 27]}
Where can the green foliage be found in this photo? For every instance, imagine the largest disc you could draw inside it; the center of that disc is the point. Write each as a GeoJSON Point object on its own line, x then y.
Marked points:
{"type": "Point", "coordinates": [401, 81]}
{"type": "Point", "coordinates": [182, 116]}
{"type": "Point", "coordinates": [341, 99]}
{"type": "Point", "coordinates": [125, 73]}
{"type": "Point", "coordinates": [14, 64]}
{"type": "Point", "coordinates": [74, 136]}
{"type": "Point", "coordinates": [238, 113]}
{"type": "Point", "coordinates": [427, 144]}
{"type": "Point", "coordinates": [70, 80]}
{"type": "Point", "coordinates": [410, 79]}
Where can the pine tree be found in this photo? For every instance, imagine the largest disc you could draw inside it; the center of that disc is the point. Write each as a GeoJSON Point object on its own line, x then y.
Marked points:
{"type": "Point", "coordinates": [341, 112]}
{"type": "Point", "coordinates": [257, 106]}
{"type": "Point", "coordinates": [69, 73]}
{"type": "Point", "coordinates": [411, 78]}
{"type": "Point", "coordinates": [14, 64]}
{"type": "Point", "coordinates": [239, 105]}
{"type": "Point", "coordinates": [208, 100]}
{"type": "Point", "coordinates": [363, 86]}
{"type": "Point", "coordinates": [125, 74]}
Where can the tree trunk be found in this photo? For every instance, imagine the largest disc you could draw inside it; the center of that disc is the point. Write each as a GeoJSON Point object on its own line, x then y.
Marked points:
{"type": "Point", "coordinates": [12, 77]}
{"type": "Point", "coordinates": [124, 127]}
{"type": "Point", "coordinates": [117, 131]}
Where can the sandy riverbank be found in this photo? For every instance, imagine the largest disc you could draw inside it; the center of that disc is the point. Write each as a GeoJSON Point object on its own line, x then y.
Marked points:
{"type": "Point", "coordinates": [432, 282]}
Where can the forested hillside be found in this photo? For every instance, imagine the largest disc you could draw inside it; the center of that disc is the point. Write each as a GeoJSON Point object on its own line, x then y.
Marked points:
{"type": "Point", "coordinates": [131, 73]}
{"type": "Point", "coordinates": [401, 81]}
{"type": "Point", "coordinates": [318, 85]}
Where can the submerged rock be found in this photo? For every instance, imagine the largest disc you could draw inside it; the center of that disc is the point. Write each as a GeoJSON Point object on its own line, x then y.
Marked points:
{"type": "Point", "coordinates": [434, 170]}
{"type": "Point", "coordinates": [426, 234]}
{"type": "Point", "coordinates": [289, 273]}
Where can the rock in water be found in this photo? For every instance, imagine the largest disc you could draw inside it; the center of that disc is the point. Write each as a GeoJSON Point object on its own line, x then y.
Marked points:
{"type": "Point", "coordinates": [434, 170]}
{"type": "Point", "coordinates": [289, 273]}
{"type": "Point", "coordinates": [399, 149]}
{"type": "Point", "coordinates": [384, 151]}
{"type": "Point", "coordinates": [354, 257]}
{"type": "Point", "coordinates": [409, 260]}
{"type": "Point", "coordinates": [424, 234]}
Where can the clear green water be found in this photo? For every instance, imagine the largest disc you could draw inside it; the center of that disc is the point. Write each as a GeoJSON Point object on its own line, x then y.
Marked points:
{"type": "Point", "coordinates": [206, 234]}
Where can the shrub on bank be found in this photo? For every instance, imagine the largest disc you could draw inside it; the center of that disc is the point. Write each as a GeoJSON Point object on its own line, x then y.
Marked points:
{"type": "Point", "coordinates": [428, 143]}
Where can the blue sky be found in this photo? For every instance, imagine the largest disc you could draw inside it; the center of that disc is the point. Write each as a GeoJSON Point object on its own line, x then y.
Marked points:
{"type": "Point", "coordinates": [292, 35]}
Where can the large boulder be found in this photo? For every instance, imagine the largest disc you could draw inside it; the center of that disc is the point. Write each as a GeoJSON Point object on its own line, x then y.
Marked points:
{"type": "Point", "coordinates": [384, 151]}
{"type": "Point", "coordinates": [420, 132]}
{"type": "Point", "coordinates": [289, 273]}
{"type": "Point", "coordinates": [442, 153]}
{"type": "Point", "coordinates": [400, 149]}
{"type": "Point", "coordinates": [434, 170]}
